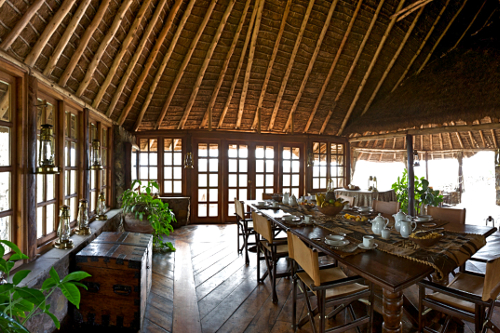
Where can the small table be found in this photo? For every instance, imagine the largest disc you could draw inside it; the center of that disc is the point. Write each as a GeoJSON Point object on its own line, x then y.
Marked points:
{"type": "Point", "coordinates": [365, 198]}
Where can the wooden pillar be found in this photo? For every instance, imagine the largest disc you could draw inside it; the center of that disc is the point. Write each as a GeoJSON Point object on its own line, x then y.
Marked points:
{"type": "Point", "coordinates": [86, 157]}
{"type": "Point", "coordinates": [347, 162]}
{"type": "Point", "coordinates": [497, 176]}
{"type": "Point", "coordinates": [426, 166]}
{"type": "Point", "coordinates": [460, 158]}
{"type": "Point", "coordinates": [32, 89]}
{"type": "Point", "coordinates": [411, 177]}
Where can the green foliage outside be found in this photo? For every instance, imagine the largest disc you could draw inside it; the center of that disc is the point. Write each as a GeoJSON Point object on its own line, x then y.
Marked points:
{"type": "Point", "coordinates": [140, 202]}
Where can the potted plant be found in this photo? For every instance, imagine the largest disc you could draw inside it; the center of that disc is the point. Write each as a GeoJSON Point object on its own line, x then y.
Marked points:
{"type": "Point", "coordinates": [144, 212]}
{"type": "Point", "coordinates": [424, 195]}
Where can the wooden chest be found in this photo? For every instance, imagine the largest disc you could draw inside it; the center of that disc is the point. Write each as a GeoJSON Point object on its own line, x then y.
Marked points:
{"type": "Point", "coordinates": [120, 265]}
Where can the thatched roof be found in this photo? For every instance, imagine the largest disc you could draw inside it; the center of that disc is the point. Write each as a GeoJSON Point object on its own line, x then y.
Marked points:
{"type": "Point", "coordinates": [170, 63]}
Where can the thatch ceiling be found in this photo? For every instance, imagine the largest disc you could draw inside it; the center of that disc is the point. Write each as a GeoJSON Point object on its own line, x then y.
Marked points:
{"type": "Point", "coordinates": [167, 63]}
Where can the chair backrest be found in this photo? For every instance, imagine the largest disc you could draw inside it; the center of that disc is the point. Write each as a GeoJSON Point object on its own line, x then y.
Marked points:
{"type": "Point", "coordinates": [238, 207]}
{"type": "Point", "coordinates": [351, 200]}
{"type": "Point", "coordinates": [491, 287]}
{"type": "Point", "coordinates": [385, 207]}
{"type": "Point", "coordinates": [267, 196]}
{"type": "Point", "coordinates": [453, 215]}
{"type": "Point", "coordinates": [262, 226]}
{"type": "Point", "coordinates": [304, 256]}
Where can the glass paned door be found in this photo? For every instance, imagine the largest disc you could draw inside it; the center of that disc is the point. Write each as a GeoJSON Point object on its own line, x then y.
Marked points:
{"type": "Point", "coordinates": [291, 170]}
{"type": "Point", "coordinates": [264, 170]}
{"type": "Point", "coordinates": [237, 167]}
{"type": "Point", "coordinates": [207, 187]}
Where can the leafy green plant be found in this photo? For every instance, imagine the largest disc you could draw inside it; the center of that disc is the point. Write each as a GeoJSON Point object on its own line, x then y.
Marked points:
{"type": "Point", "coordinates": [141, 202]}
{"type": "Point", "coordinates": [19, 304]}
{"type": "Point", "coordinates": [424, 195]}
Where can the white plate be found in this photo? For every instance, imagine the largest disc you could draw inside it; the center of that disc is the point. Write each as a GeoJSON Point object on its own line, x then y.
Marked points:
{"type": "Point", "coordinates": [426, 218]}
{"type": "Point", "coordinates": [364, 209]}
{"type": "Point", "coordinates": [361, 246]}
{"type": "Point", "coordinates": [429, 224]}
{"type": "Point", "coordinates": [336, 243]}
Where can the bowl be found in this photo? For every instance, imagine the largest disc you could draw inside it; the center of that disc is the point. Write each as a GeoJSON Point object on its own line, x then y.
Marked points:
{"type": "Point", "coordinates": [331, 210]}
{"type": "Point", "coordinates": [427, 242]}
{"type": "Point", "coordinates": [423, 218]}
{"type": "Point", "coordinates": [335, 237]}
{"type": "Point", "coordinates": [364, 209]}
{"type": "Point", "coordinates": [261, 203]}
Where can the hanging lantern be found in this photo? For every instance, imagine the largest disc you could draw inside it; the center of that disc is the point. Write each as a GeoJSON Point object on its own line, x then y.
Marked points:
{"type": "Point", "coordinates": [95, 155]}
{"type": "Point", "coordinates": [46, 159]}
{"type": "Point", "coordinates": [416, 159]}
{"type": "Point", "coordinates": [101, 207]}
{"type": "Point", "coordinates": [64, 230]}
{"type": "Point", "coordinates": [188, 162]}
{"type": "Point", "coordinates": [83, 219]}
{"type": "Point", "coordinates": [310, 160]}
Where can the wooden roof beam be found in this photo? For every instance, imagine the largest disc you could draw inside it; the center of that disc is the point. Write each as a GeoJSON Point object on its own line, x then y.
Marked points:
{"type": "Point", "coordinates": [284, 80]}
{"type": "Point", "coordinates": [353, 65]}
{"type": "Point", "coordinates": [240, 64]}
{"type": "Point", "coordinates": [409, 9]}
{"type": "Point", "coordinates": [1, 3]}
{"type": "Point", "coordinates": [184, 64]}
{"type": "Point", "coordinates": [429, 33]}
{"type": "Point", "coordinates": [380, 46]}
{"type": "Point", "coordinates": [460, 140]}
{"type": "Point", "coordinates": [393, 61]}
{"type": "Point", "coordinates": [205, 64]}
{"type": "Point", "coordinates": [311, 64]}
{"type": "Point", "coordinates": [468, 27]}
{"type": "Point", "coordinates": [332, 67]}
{"type": "Point", "coordinates": [123, 50]}
{"type": "Point", "coordinates": [251, 54]}
{"type": "Point", "coordinates": [451, 141]}
{"type": "Point", "coordinates": [150, 61]}
{"type": "Point", "coordinates": [493, 136]}
{"type": "Point", "coordinates": [208, 114]}
{"type": "Point", "coordinates": [51, 27]}
{"type": "Point", "coordinates": [83, 42]}
{"type": "Point", "coordinates": [271, 64]}
{"type": "Point", "coordinates": [21, 24]}
{"type": "Point", "coordinates": [89, 73]}
{"type": "Point", "coordinates": [441, 37]}
{"type": "Point", "coordinates": [68, 33]}
{"type": "Point", "coordinates": [481, 134]}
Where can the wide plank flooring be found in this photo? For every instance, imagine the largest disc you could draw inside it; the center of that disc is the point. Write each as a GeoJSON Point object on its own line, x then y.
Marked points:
{"type": "Point", "coordinates": [206, 287]}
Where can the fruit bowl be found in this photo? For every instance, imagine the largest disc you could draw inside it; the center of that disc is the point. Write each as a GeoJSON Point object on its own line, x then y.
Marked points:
{"type": "Point", "coordinates": [331, 210]}
{"type": "Point", "coordinates": [434, 237]}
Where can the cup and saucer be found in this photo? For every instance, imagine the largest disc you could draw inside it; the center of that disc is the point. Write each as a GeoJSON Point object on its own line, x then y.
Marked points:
{"type": "Point", "coordinates": [307, 219]}
{"type": "Point", "coordinates": [291, 218]}
{"type": "Point", "coordinates": [368, 243]}
{"type": "Point", "coordinates": [336, 240]}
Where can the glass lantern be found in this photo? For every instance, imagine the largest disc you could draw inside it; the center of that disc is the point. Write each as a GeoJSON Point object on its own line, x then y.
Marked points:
{"type": "Point", "coordinates": [64, 230]}
{"type": "Point", "coordinates": [46, 156]}
{"type": "Point", "coordinates": [188, 162]}
{"type": "Point", "coordinates": [101, 207]}
{"type": "Point", "coordinates": [83, 219]}
{"type": "Point", "coordinates": [95, 156]}
{"type": "Point", "coordinates": [310, 160]}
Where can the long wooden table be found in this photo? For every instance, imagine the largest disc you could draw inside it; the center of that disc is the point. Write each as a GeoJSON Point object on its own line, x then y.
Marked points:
{"type": "Point", "coordinates": [393, 274]}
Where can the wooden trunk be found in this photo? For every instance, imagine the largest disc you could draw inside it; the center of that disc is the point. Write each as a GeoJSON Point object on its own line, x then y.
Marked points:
{"type": "Point", "coordinates": [120, 265]}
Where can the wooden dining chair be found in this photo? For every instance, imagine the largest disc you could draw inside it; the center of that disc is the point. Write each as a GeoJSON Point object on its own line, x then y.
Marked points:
{"type": "Point", "coordinates": [273, 250]}
{"type": "Point", "coordinates": [385, 207]}
{"type": "Point", "coordinates": [331, 286]}
{"type": "Point", "coordinates": [469, 297]}
{"type": "Point", "coordinates": [267, 196]}
{"type": "Point", "coordinates": [244, 228]}
{"type": "Point", "coordinates": [452, 215]}
{"type": "Point", "coordinates": [351, 200]}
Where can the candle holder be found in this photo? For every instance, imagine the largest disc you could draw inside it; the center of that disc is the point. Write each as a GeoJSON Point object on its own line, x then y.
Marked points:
{"type": "Point", "coordinates": [95, 156]}
{"type": "Point", "coordinates": [83, 219]}
{"type": "Point", "coordinates": [64, 230]}
{"type": "Point", "coordinates": [46, 155]}
{"type": "Point", "coordinates": [101, 208]}
{"type": "Point", "coordinates": [310, 160]}
{"type": "Point", "coordinates": [188, 162]}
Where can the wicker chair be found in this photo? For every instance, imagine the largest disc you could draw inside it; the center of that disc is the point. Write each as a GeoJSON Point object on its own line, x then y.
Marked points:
{"type": "Point", "coordinates": [452, 215]}
{"type": "Point", "coordinates": [385, 207]}
{"type": "Point", "coordinates": [244, 228]}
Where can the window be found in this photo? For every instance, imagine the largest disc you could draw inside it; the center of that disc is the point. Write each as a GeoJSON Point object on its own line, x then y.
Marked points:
{"type": "Point", "coordinates": [291, 170]}
{"type": "Point", "coordinates": [237, 175]}
{"type": "Point", "coordinates": [104, 161]}
{"type": "Point", "coordinates": [148, 160]}
{"type": "Point", "coordinates": [71, 159]}
{"type": "Point", "coordinates": [208, 180]}
{"type": "Point", "coordinates": [264, 170]}
{"type": "Point", "coordinates": [135, 153]}
{"type": "Point", "coordinates": [172, 162]}
{"type": "Point", "coordinates": [320, 168]}
{"type": "Point", "coordinates": [337, 164]}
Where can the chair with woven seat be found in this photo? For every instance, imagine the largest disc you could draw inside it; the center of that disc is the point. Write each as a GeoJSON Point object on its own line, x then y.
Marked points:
{"type": "Point", "coordinates": [244, 228]}
{"type": "Point", "coordinates": [470, 297]}
{"type": "Point", "coordinates": [273, 250]}
{"type": "Point", "coordinates": [351, 200]}
{"type": "Point", "coordinates": [385, 207]}
{"type": "Point", "coordinates": [331, 286]}
{"type": "Point", "coordinates": [267, 196]}
{"type": "Point", "coordinates": [452, 215]}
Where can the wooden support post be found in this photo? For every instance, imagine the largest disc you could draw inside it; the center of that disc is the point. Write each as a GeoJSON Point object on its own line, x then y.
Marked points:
{"type": "Point", "coordinates": [86, 157]}
{"type": "Point", "coordinates": [426, 165]}
{"type": "Point", "coordinates": [460, 158]}
{"type": "Point", "coordinates": [411, 175]}
{"type": "Point", "coordinates": [32, 90]}
{"type": "Point", "coordinates": [497, 176]}
{"type": "Point", "coordinates": [21, 24]}
{"type": "Point", "coordinates": [347, 150]}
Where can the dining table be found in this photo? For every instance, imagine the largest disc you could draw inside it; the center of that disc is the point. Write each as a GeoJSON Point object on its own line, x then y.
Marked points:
{"type": "Point", "coordinates": [393, 273]}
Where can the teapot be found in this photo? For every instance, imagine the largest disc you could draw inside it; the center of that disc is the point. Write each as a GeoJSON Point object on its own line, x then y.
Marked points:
{"type": "Point", "coordinates": [400, 216]}
{"type": "Point", "coordinates": [286, 197]}
{"type": "Point", "coordinates": [405, 229]}
{"type": "Point", "coordinates": [292, 201]}
{"type": "Point", "coordinates": [379, 223]}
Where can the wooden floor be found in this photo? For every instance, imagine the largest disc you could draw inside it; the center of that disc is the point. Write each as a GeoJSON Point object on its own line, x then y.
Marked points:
{"type": "Point", "coordinates": [206, 287]}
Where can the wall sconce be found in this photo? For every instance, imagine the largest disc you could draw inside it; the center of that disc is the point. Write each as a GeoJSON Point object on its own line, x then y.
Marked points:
{"type": "Point", "coordinates": [46, 159]}
{"type": "Point", "coordinates": [416, 159]}
{"type": "Point", "coordinates": [310, 160]}
{"type": "Point", "coordinates": [188, 162]}
{"type": "Point", "coordinates": [64, 230]}
{"type": "Point", "coordinates": [101, 207]}
{"type": "Point", "coordinates": [83, 219]}
{"type": "Point", "coordinates": [95, 156]}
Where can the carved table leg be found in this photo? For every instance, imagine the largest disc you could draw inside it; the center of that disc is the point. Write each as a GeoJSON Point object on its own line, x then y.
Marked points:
{"type": "Point", "coordinates": [392, 311]}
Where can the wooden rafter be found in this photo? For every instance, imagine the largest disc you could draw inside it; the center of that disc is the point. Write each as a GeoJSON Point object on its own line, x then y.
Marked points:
{"type": "Point", "coordinates": [123, 50]}
{"type": "Point", "coordinates": [83, 42]}
{"type": "Point", "coordinates": [149, 62]}
{"type": "Point", "coordinates": [240, 64]}
{"type": "Point", "coordinates": [424, 41]}
{"type": "Point", "coordinates": [205, 64]}
{"type": "Point", "coordinates": [441, 37]}
{"type": "Point", "coordinates": [473, 141]}
{"type": "Point", "coordinates": [248, 71]}
{"type": "Point", "coordinates": [270, 65]}
{"type": "Point", "coordinates": [311, 64]}
{"type": "Point", "coordinates": [451, 141]}
{"type": "Point", "coordinates": [468, 27]}
{"type": "Point", "coordinates": [68, 33]}
{"type": "Point", "coordinates": [1, 3]}
{"type": "Point", "coordinates": [409, 9]}
{"type": "Point", "coordinates": [481, 134]}
{"type": "Point", "coordinates": [51, 27]}
{"type": "Point", "coordinates": [21, 24]}
{"type": "Point", "coordinates": [284, 80]}
{"type": "Point", "coordinates": [215, 93]}
{"type": "Point", "coordinates": [332, 67]}
{"type": "Point", "coordinates": [185, 62]}
{"type": "Point", "coordinates": [353, 65]}
{"type": "Point", "coordinates": [460, 140]}
{"type": "Point", "coordinates": [393, 61]}
{"type": "Point", "coordinates": [493, 136]}
{"type": "Point", "coordinates": [89, 72]}
{"type": "Point", "coordinates": [368, 71]}
{"type": "Point", "coordinates": [441, 143]}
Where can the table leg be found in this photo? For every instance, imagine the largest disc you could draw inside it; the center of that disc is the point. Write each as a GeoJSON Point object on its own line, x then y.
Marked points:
{"type": "Point", "coordinates": [392, 311]}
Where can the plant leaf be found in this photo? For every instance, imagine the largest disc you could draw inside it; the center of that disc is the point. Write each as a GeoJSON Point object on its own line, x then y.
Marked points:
{"type": "Point", "coordinates": [31, 295]}
{"type": "Point", "coordinates": [47, 284]}
{"type": "Point", "coordinates": [71, 292]}
{"type": "Point", "coordinates": [76, 276]}
{"type": "Point", "coordinates": [54, 319]}
{"type": "Point", "coordinates": [19, 276]}
{"type": "Point", "coordinates": [9, 325]}
{"type": "Point", "coordinates": [54, 275]}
